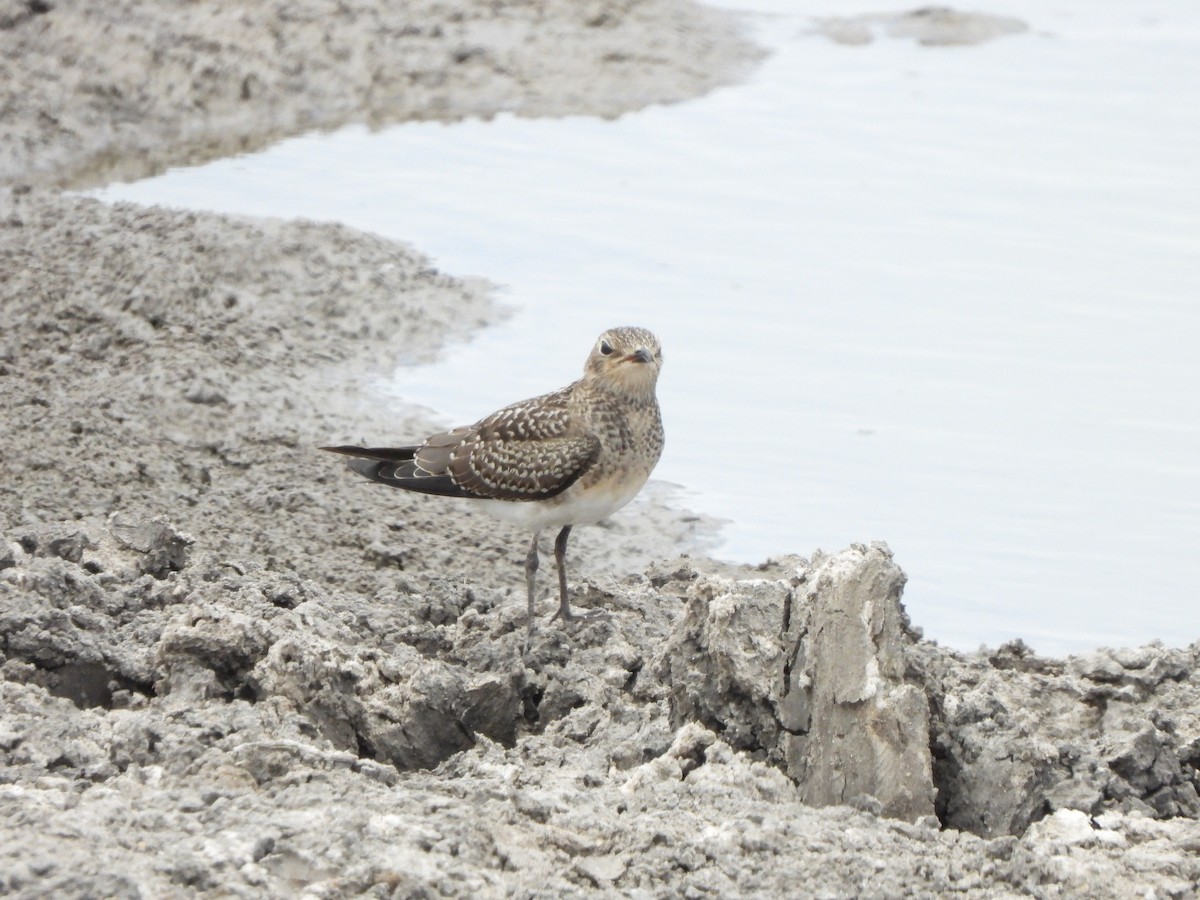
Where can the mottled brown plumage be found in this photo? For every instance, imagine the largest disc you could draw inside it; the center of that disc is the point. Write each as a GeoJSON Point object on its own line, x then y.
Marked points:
{"type": "Point", "coordinates": [571, 457]}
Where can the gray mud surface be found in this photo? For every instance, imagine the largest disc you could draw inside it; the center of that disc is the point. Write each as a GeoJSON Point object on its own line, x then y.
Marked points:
{"type": "Point", "coordinates": [228, 668]}
{"type": "Point", "coordinates": [97, 91]}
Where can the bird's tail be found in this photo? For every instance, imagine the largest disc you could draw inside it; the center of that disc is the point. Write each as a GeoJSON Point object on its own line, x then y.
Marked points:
{"type": "Point", "coordinates": [397, 467]}
{"type": "Point", "coordinates": [376, 463]}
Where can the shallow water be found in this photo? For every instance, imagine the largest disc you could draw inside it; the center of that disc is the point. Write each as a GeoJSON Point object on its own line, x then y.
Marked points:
{"type": "Point", "coordinates": [943, 297]}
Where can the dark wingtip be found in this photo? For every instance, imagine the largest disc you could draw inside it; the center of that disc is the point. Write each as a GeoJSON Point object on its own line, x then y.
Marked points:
{"type": "Point", "coordinates": [368, 468]}
{"type": "Point", "coordinates": [393, 454]}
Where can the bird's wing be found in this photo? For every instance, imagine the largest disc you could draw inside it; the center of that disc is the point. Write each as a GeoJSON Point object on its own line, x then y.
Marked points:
{"type": "Point", "coordinates": [522, 469]}
{"type": "Point", "coordinates": [526, 451]}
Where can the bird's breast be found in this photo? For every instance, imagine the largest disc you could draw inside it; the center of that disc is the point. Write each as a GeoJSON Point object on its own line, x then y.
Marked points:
{"type": "Point", "coordinates": [584, 503]}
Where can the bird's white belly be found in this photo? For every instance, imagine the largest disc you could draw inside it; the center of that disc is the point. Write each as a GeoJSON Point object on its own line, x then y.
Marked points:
{"type": "Point", "coordinates": [574, 506]}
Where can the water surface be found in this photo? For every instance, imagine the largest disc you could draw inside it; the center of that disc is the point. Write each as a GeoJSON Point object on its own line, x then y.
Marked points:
{"type": "Point", "coordinates": [943, 297]}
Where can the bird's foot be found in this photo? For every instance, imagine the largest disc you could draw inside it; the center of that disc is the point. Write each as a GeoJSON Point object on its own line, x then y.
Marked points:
{"type": "Point", "coordinates": [565, 613]}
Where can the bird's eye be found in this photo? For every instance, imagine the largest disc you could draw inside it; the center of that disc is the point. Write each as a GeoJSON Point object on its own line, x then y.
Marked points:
{"type": "Point", "coordinates": [605, 348]}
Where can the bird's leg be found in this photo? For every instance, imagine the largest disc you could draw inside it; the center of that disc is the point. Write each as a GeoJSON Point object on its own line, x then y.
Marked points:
{"type": "Point", "coordinates": [560, 560]}
{"type": "Point", "coordinates": [560, 557]}
{"type": "Point", "coordinates": [531, 567]}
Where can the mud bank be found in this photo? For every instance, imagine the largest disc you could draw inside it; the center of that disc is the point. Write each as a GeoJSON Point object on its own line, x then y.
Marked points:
{"type": "Point", "coordinates": [119, 90]}
{"type": "Point", "coordinates": [226, 668]}
{"type": "Point", "coordinates": [174, 725]}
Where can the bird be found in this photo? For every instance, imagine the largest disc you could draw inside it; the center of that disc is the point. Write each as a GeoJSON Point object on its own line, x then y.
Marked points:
{"type": "Point", "coordinates": [570, 457]}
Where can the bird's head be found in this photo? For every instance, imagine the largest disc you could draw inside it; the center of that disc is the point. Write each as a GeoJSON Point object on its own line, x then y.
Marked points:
{"type": "Point", "coordinates": [625, 360]}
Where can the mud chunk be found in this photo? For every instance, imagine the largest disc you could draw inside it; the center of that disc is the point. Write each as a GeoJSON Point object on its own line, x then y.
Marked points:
{"type": "Point", "coordinates": [811, 672]}
{"type": "Point", "coordinates": [164, 550]}
{"type": "Point", "coordinates": [57, 541]}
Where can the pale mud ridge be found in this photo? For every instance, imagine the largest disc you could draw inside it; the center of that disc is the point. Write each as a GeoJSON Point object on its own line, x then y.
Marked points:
{"type": "Point", "coordinates": [229, 668]}
{"type": "Point", "coordinates": [930, 26]}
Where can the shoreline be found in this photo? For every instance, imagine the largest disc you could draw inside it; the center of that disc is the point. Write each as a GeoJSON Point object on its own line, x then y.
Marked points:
{"type": "Point", "coordinates": [228, 668]}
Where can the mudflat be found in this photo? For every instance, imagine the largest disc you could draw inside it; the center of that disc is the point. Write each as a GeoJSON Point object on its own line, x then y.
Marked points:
{"type": "Point", "coordinates": [229, 667]}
